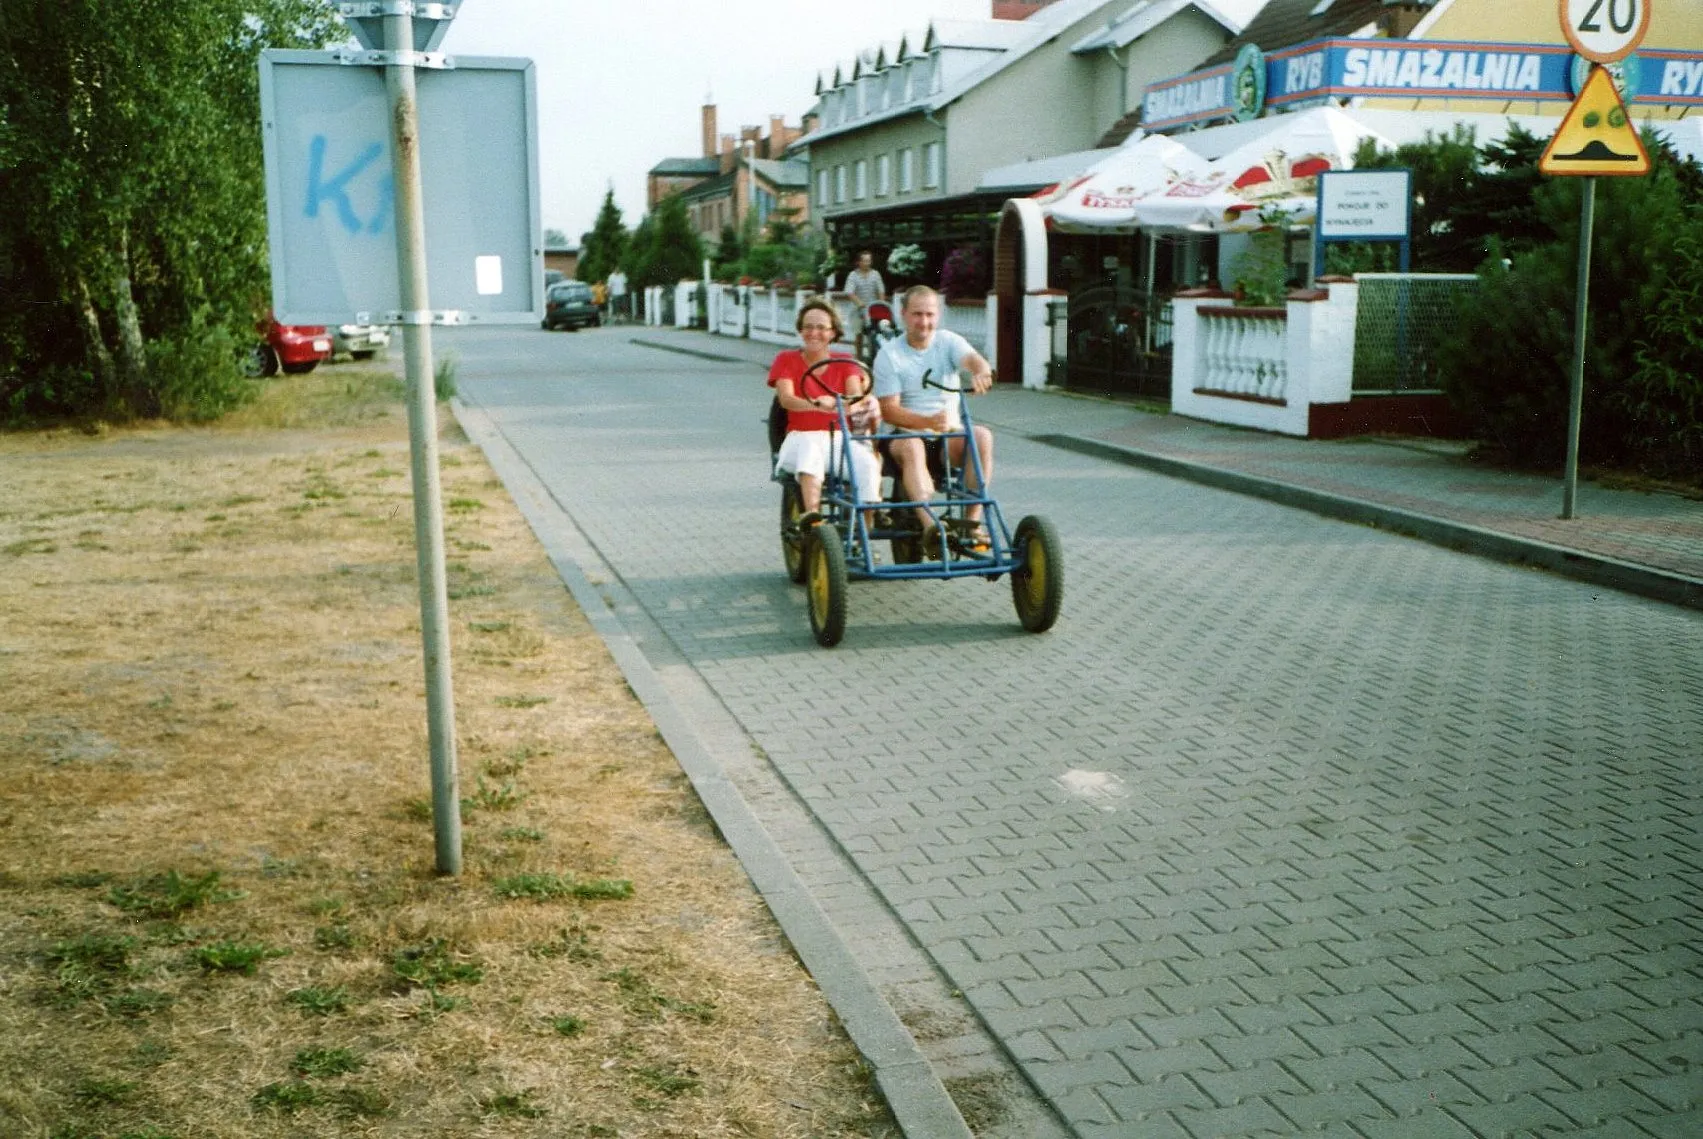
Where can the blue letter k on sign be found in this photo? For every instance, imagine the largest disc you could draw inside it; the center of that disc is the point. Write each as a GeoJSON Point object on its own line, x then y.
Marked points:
{"type": "Point", "coordinates": [336, 190]}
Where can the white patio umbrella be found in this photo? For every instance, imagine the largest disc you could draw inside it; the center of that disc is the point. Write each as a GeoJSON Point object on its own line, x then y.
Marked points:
{"type": "Point", "coordinates": [1104, 197]}
{"type": "Point", "coordinates": [1272, 178]}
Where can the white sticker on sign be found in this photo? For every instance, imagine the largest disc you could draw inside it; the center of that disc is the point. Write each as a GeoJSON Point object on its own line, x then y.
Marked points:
{"type": "Point", "coordinates": [488, 275]}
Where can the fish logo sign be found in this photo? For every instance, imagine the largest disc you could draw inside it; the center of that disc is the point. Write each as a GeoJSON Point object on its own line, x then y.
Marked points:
{"type": "Point", "coordinates": [1597, 136]}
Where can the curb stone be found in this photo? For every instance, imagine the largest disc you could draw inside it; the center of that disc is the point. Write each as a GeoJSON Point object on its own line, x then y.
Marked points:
{"type": "Point", "coordinates": [914, 1093]}
{"type": "Point", "coordinates": [1593, 569]}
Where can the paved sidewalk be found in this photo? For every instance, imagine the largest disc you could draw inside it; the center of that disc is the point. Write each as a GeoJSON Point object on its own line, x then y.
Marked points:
{"type": "Point", "coordinates": [1645, 542]}
{"type": "Point", "coordinates": [1290, 827]}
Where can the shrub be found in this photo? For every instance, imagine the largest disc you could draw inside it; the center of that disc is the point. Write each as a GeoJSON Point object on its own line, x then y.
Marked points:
{"type": "Point", "coordinates": [195, 373]}
{"type": "Point", "coordinates": [1663, 400]}
{"type": "Point", "coordinates": [1507, 367]}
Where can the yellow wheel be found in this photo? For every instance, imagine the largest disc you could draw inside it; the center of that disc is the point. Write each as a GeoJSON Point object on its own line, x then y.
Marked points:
{"type": "Point", "coordinates": [792, 539]}
{"type": "Point", "coordinates": [825, 583]}
{"type": "Point", "coordinates": [1037, 585]}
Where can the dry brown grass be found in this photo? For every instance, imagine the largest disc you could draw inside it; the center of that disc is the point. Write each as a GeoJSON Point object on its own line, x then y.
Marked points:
{"type": "Point", "coordinates": [210, 660]}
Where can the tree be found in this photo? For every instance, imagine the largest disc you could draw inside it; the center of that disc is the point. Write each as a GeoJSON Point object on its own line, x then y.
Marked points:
{"type": "Point", "coordinates": [730, 252]}
{"type": "Point", "coordinates": [130, 164]}
{"type": "Point", "coordinates": [555, 238]}
{"type": "Point", "coordinates": [1507, 362]}
{"type": "Point", "coordinates": [670, 250]}
{"type": "Point", "coordinates": [605, 247]}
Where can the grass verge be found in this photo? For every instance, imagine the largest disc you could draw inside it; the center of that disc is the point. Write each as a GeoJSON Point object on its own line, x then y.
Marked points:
{"type": "Point", "coordinates": [218, 910]}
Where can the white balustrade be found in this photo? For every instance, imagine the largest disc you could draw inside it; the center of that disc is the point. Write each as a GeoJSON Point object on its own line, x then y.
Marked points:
{"type": "Point", "coordinates": [1245, 353]}
{"type": "Point", "coordinates": [1262, 367]}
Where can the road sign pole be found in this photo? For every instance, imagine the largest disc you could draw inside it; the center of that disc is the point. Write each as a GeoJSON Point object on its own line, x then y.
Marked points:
{"type": "Point", "coordinates": [1581, 312]}
{"type": "Point", "coordinates": [423, 437]}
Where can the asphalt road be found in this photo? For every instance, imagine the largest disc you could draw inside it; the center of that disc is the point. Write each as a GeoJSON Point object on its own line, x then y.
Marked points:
{"type": "Point", "coordinates": [1289, 826]}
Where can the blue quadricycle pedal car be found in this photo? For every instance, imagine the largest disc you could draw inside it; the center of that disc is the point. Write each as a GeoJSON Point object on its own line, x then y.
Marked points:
{"type": "Point", "coordinates": [844, 544]}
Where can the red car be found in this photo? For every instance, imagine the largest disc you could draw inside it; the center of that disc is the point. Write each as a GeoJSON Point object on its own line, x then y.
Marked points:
{"type": "Point", "coordinates": [297, 348]}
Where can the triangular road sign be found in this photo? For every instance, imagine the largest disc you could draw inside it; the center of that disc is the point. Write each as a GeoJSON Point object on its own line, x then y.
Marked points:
{"type": "Point", "coordinates": [1597, 136]}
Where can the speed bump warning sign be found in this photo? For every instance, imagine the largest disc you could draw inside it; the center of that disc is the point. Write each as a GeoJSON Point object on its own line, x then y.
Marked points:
{"type": "Point", "coordinates": [1597, 136]}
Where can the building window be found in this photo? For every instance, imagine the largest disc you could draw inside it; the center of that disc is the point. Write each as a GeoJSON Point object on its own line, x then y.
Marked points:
{"type": "Point", "coordinates": [839, 185]}
{"type": "Point", "coordinates": [860, 178]}
{"type": "Point", "coordinates": [907, 174]}
{"type": "Point", "coordinates": [883, 175]}
{"type": "Point", "coordinates": [931, 166]}
{"type": "Point", "coordinates": [821, 187]}
{"type": "Point", "coordinates": [765, 206]}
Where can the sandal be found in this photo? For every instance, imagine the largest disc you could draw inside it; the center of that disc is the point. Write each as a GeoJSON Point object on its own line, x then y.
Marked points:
{"type": "Point", "coordinates": [971, 538]}
{"type": "Point", "coordinates": [931, 541]}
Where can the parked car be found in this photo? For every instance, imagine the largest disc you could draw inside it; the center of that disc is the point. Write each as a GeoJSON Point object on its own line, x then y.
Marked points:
{"type": "Point", "coordinates": [569, 304]}
{"type": "Point", "coordinates": [297, 348]}
{"type": "Point", "coordinates": [362, 341]}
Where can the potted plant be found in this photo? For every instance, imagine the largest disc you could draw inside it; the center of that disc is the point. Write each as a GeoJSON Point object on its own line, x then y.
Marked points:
{"type": "Point", "coordinates": [964, 273]}
{"type": "Point", "coordinates": [905, 263]}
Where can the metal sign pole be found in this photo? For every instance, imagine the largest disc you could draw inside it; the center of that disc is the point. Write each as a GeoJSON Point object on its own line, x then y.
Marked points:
{"type": "Point", "coordinates": [423, 436]}
{"type": "Point", "coordinates": [1581, 311]}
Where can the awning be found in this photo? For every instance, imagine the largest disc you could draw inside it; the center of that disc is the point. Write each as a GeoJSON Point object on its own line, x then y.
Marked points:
{"type": "Point", "coordinates": [1269, 179]}
{"type": "Point", "coordinates": [1106, 196]}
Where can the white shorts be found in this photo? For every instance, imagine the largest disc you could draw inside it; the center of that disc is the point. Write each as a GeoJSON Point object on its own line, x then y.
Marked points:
{"type": "Point", "coordinates": [811, 452]}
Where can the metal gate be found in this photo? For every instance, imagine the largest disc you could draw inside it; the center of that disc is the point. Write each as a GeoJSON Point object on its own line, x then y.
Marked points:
{"type": "Point", "coordinates": [1118, 340]}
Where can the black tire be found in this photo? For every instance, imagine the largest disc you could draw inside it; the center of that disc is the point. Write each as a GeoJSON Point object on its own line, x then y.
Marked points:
{"type": "Point", "coordinates": [259, 362]}
{"type": "Point", "coordinates": [301, 369]}
{"type": "Point", "coordinates": [545, 325]}
{"type": "Point", "coordinates": [792, 539]}
{"type": "Point", "coordinates": [367, 354]}
{"type": "Point", "coordinates": [1037, 585]}
{"type": "Point", "coordinates": [825, 583]}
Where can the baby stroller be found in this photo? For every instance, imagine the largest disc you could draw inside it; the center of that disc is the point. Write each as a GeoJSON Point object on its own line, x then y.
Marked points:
{"type": "Point", "coordinates": [878, 328]}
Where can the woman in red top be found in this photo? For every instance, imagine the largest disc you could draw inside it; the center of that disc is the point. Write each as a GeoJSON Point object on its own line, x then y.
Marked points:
{"type": "Point", "coordinates": [812, 444]}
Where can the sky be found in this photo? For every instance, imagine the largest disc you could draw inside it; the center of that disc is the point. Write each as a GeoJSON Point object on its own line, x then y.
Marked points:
{"type": "Point", "coordinates": [621, 84]}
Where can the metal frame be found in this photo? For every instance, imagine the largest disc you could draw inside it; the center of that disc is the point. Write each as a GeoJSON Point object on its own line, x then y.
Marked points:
{"type": "Point", "coordinates": [842, 505]}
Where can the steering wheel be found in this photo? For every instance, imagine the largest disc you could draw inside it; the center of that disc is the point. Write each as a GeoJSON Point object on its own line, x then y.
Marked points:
{"type": "Point", "coordinates": [812, 375]}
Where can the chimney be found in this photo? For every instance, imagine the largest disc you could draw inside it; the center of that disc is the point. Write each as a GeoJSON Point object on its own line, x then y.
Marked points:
{"type": "Point", "coordinates": [811, 121]}
{"type": "Point", "coordinates": [726, 153]}
{"type": "Point", "coordinates": [709, 130]}
{"type": "Point", "coordinates": [777, 136]}
{"type": "Point", "coordinates": [1017, 9]}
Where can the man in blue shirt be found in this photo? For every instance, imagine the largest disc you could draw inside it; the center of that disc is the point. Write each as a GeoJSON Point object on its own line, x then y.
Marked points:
{"type": "Point", "coordinates": [908, 405]}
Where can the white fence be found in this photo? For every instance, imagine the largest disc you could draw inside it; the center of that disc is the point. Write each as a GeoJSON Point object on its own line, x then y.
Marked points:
{"type": "Point", "coordinates": [1263, 367]}
{"type": "Point", "coordinates": [757, 312]}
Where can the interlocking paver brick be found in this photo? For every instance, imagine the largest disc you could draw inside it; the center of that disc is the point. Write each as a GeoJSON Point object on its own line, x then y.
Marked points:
{"type": "Point", "coordinates": [1251, 1117]}
{"type": "Point", "coordinates": [1677, 1091]}
{"type": "Point", "coordinates": [1433, 1124]}
{"type": "Point", "coordinates": [1159, 1061]}
{"type": "Point", "coordinates": [1312, 1111]}
{"type": "Point", "coordinates": [1245, 1048]}
{"type": "Point", "coordinates": [1368, 782]}
{"type": "Point", "coordinates": [1593, 1107]}
{"type": "Point", "coordinates": [1140, 1100]}
{"type": "Point", "coordinates": [1510, 1119]}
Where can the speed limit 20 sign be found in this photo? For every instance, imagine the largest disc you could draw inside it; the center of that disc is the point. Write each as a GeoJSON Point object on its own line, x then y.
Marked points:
{"type": "Point", "coordinates": [1604, 31]}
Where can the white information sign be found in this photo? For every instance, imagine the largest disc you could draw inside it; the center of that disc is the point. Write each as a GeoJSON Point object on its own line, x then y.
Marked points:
{"type": "Point", "coordinates": [1370, 205]}
{"type": "Point", "coordinates": [331, 201]}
